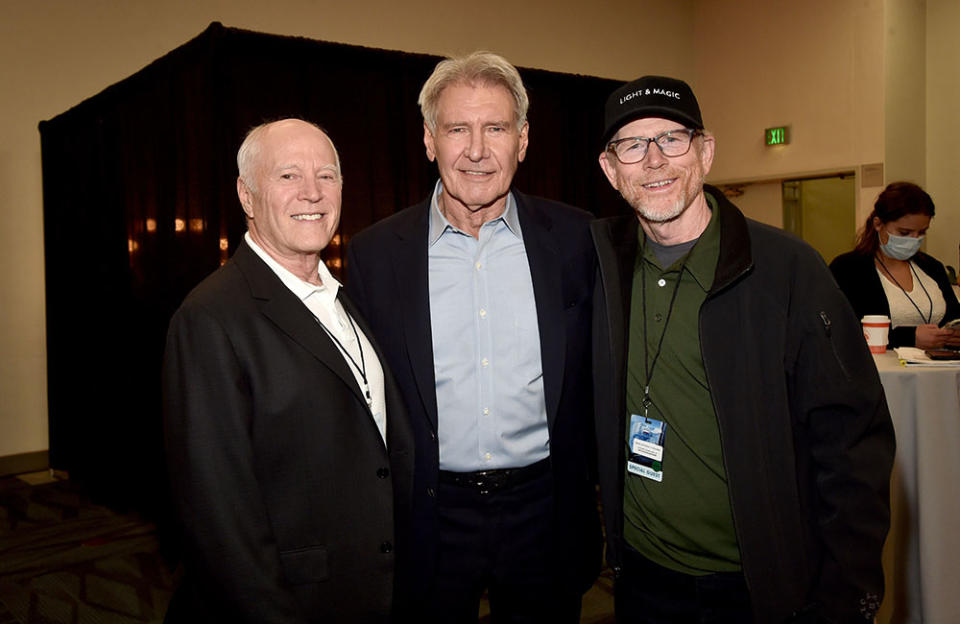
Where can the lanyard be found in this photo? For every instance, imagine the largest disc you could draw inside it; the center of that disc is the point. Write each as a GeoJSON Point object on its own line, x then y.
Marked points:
{"type": "Point", "coordinates": [929, 316]}
{"type": "Point", "coordinates": [648, 366]}
{"type": "Point", "coordinates": [362, 367]}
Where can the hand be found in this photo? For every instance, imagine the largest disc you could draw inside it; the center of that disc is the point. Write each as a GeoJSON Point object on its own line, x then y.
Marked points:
{"type": "Point", "coordinates": [953, 340]}
{"type": "Point", "coordinates": [932, 337]}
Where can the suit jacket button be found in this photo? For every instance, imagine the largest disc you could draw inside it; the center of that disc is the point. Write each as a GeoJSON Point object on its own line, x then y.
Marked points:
{"type": "Point", "coordinates": [386, 548]}
{"type": "Point", "coordinates": [431, 492]}
{"type": "Point", "coordinates": [433, 436]}
{"type": "Point", "coordinates": [383, 473]}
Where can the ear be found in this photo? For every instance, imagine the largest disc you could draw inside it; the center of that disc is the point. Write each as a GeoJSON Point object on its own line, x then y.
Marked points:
{"type": "Point", "coordinates": [707, 147]}
{"type": "Point", "coordinates": [524, 141]}
{"type": "Point", "coordinates": [609, 169]}
{"type": "Point", "coordinates": [429, 143]}
{"type": "Point", "coordinates": [877, 223]}
{"type": "Point", "coordinates": [246, 197]}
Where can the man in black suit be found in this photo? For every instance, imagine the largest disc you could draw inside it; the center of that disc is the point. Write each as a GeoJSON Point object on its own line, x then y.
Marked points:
{"type": "Point", "coordinates": [480, 297]}
{"type": "Point", "coordinates": [288, 448]}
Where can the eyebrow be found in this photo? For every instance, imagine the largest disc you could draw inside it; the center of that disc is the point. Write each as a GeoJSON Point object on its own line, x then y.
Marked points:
{"type": "Point", "coordinates": [453, 124]}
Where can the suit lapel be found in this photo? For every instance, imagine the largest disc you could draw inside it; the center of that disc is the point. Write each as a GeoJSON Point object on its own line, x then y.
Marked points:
{"type": "Point", "coordinates": [292, 317]}
{"type": "Point", "coordinates": [546, 270]}
{"type": "Point", "coordinates": [413, 299]}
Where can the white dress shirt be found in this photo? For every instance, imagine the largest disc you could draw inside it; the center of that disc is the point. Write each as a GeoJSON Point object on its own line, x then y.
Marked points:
{"type": "Point", "coordinates": [323, 304]}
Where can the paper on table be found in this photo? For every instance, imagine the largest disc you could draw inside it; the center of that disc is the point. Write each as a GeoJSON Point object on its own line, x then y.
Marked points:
{"type": "Point", "coordinates": [912, 356]}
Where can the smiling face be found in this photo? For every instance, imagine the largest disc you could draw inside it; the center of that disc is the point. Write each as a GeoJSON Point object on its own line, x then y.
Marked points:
{"type": "Point", "coordinates": [293, 201]}
{"type": "Point", "coordinates": [660, 189]}
{"type": "Point", "coordinates": [477, 146]}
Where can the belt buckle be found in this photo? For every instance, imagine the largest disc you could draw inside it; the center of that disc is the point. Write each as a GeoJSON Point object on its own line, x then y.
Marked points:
{"type": "Point", "coordinates": [489, 481]}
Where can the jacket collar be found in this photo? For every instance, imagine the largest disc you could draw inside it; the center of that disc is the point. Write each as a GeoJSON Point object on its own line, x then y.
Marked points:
{"type": "Point", "coordinates": [736, 258]}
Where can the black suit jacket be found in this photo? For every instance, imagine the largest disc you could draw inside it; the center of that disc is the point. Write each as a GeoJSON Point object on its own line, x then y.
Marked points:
{"type": "Point", "coordinates": [388, 280]}
{"type": "Point", "coordinates": [286, 493]}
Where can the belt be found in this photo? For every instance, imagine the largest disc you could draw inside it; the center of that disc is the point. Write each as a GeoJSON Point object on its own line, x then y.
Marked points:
{"type": "Point", "coordinates": [487, 481]}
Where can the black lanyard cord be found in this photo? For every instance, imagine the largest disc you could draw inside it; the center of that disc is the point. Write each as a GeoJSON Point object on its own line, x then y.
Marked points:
{"type": "Point", "coordinates": [929, 317]}
{"type": "Point", "coordinates": [648, 366]}
{"type": "Point", "coordinates": [362, 367]}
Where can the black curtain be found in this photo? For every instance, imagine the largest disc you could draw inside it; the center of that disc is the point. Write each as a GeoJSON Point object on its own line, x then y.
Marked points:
{"type": "Point", "coordinates": [140, 204]}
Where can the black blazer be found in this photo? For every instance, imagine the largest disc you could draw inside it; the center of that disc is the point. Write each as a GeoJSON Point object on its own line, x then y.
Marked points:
{"type": "Point", "coordinates": [388, 280]}
{"type": "Point", "coordinates": [286, 494]}
{"type": "Point", "coordinates": [857, 277]}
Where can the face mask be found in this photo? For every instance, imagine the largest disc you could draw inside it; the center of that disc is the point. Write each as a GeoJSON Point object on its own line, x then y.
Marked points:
{"type": "Point", "coordinates": [901, 247]}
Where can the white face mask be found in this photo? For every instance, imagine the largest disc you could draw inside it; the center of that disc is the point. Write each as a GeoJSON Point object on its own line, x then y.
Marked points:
{"type": "Point", "coordinates": [901, 247]}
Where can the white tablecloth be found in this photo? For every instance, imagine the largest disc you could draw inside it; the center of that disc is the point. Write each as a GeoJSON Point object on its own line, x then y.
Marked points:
{"type": "Point", "coordinates": [921, 558]}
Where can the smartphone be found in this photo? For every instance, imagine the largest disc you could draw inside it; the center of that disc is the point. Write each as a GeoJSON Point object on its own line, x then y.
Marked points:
{"type": "Point", "coordinates": [942, 354]}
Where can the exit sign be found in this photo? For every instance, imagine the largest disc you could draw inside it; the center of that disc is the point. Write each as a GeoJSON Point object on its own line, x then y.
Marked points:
{"type": "Point", "coordinates": [777, 136]}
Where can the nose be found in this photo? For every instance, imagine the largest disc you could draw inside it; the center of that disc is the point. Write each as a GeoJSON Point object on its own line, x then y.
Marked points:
{"type": "Point", "coordinates": [477, 147]}
{"type": "Point", "coordinates": [654, 157]}
{"type": "Point", "coordinates": [311, 190]}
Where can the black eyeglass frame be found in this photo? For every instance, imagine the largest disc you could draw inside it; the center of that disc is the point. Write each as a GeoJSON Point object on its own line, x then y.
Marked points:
{"type": "Point", "coordinates": [691, 132]}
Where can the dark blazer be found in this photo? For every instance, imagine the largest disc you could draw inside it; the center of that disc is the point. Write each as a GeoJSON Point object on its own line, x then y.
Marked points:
{"type": "Point", "coordinates": [387, 278]}
{"type": "Point", "coordinates": [857, 277]}
{"type": "Point", "coordinates": [286, 494]}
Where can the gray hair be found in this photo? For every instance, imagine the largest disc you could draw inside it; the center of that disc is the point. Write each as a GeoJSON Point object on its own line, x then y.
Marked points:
{"type": "Point", "coordinates": [249, 151]}
{"type": "Point", "coordinates": [475, 69]}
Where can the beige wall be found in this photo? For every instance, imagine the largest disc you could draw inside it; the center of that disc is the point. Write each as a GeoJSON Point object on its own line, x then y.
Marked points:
{"type": "Point", "coordinates": [58, 52]}
{"type": "Point", "coordinates": [943, 128]}
{"type": "Point", "coordinates": [815, 66]}
{"type": "Point", "coordinates": [762, 201]}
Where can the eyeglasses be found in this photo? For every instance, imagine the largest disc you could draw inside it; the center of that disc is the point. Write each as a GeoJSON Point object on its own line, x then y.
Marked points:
{"type": "Point", "coordinates": [672, 143]}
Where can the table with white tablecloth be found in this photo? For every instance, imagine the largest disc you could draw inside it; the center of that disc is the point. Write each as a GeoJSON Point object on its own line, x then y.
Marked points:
{"type": "Point", "coordinates": [921, 558]}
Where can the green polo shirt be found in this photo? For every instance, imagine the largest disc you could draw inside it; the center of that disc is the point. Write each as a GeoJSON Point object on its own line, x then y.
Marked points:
{"type": "Point", "coordinates": [683, 522]}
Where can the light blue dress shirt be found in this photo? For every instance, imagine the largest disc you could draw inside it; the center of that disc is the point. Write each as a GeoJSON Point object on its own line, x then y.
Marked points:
{"type": "Point", "coordinates": [486, 345]}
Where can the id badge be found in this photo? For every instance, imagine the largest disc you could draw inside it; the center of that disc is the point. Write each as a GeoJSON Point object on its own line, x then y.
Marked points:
{"type": "Point", "coordinates": [646, 447]}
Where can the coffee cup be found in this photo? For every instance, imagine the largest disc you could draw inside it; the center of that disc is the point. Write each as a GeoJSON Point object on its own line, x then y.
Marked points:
{"type": "Point", "coordinates": [876, 329]}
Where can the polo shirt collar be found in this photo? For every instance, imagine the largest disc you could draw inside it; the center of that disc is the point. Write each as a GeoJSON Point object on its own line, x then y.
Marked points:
{"type": "Point", "coordinates": [702, 259]}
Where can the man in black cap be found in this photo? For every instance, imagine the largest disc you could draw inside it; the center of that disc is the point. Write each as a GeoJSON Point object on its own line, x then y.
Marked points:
{"type": "Point", "coordinates": [744, 442]}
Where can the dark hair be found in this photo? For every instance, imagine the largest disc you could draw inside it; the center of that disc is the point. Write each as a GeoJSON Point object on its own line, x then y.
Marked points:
{"type": "Point", "coordinates": [898, 200]}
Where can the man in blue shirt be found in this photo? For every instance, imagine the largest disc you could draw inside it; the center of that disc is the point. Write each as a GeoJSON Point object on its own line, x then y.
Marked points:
{"type": "Point", "coordinates": [481, 296]}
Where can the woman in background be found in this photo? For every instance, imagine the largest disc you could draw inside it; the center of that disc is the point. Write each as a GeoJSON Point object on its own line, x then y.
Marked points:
{"type": "Point", "coordinates": [888, 274]}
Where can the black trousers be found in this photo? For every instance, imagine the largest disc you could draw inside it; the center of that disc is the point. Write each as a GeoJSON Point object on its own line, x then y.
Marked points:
{"type": "Point", "coordinates": [647, 593]}
{"type": "Point", "coordinates": [500, 542]}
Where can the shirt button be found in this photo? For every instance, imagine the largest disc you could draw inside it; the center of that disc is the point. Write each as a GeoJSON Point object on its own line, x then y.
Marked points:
{"type": "Point", "coordinates": [661, 282]}
{"type": "Point", "coordinates": [383, 473]}
{"type": "Point", "coordinates": [479, 265]}
{"type": "Point", "coordinates": [483, 313]}
{"type": "Point", "coordinates": [484, 362]}
{"type": "Point", "coordinates": [386, 548]}
{"type": "Point", "coordinates": [658, 317]}
{"type": "Point", "coordinates": [486, 411]}
{"type": "Point", "coordinates": [487, 456]}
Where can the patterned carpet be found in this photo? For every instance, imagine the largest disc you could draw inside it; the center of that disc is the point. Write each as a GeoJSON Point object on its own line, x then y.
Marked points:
{"type": "Point", "coordinates": [65, 560]}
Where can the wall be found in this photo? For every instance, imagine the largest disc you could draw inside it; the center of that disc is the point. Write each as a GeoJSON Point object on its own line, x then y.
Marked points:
{"type": "Point", "coordinates": [762, 201]}
{"type": "Point", "coordinates": [943, 128]}
{"type": "Point", "coordinates": [816, 66]}
{"type": "Point", "coordinates": [58, 52]}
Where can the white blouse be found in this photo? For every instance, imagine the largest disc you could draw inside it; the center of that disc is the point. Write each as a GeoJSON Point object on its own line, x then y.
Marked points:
{"type": "Point", "coordinates": [924, 304]}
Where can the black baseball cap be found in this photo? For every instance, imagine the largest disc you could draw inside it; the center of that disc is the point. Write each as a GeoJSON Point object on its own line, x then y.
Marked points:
{"type": "Point", "coordinates": [651, 96]}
